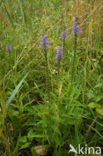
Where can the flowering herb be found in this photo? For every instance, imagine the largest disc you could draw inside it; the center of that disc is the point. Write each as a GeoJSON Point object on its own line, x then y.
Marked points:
{"type": "Point", "coordinates": [64, 33]}
{"type": "Point", "coordinates": [76, 29]}
{"type": "Point", "coordinates": [59, 53]}
{"type": "Point", "coordinates": [44, 42]}
{"type": "Point", "coordinates": [8, 48]}
{"type": "Point", "coordinates": [64, 36]}
{"type": "Point", "coordinates": [59, 56]}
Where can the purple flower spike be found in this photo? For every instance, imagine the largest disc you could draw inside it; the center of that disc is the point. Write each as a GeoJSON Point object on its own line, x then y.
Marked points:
{"type": "Point", "coordinates": [44, 42]}
{"type": "Point", "coordinates": [75, 27]}
{"type": "Point", "coordinates": [64, 33]}
{"type": "Point", "coordinates": [59, 53]}
{"type": "Point", "coordinates": [8, 48]}
{"type": "Point", "coordinates": [44, 38]}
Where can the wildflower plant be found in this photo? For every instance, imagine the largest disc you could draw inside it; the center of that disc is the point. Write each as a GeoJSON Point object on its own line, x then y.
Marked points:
{"type": "Point", "coordinates": [76, 30]}
{"type": "Point", "coordinates": [44, 45]}
{"type": "Point", "coordinates": [64, 35]}
{"type": "Point", "coordinates": [44, 42]}
{"type": "Point", "coordinates": [8, 48]}
{"type": "Point", "coordinates": [59, 56]}
{"type": "Point", "coordinates": [75, 27]}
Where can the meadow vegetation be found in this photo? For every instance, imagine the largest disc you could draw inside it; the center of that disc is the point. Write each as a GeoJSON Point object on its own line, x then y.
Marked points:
{"type": "Point", "coordinates": [51, 76]}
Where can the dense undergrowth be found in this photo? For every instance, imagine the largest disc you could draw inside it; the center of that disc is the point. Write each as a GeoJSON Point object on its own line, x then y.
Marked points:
{"type": "Point", "coordinates": [50, 99]}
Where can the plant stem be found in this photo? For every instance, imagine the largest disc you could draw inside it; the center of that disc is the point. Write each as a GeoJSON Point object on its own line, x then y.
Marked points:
{"type": "Point", "coordinates": [74, 58]}
{"type": "Point", "coordinates": [58, 66]}
{"type": "Point", "coordinates": [6, 143]}
{"type": "Point", "coordinates": [46, 68]}
{"type": "Point", "coordinates": [63, 44]}
{"type": "Point", "coordinates": [90, 127]}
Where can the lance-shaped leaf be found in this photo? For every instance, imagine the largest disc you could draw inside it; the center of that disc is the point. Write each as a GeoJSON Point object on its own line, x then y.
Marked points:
{"type": "Point", "coordinates": [15, 91]}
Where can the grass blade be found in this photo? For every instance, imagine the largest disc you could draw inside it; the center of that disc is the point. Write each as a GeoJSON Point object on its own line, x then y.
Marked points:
{"type": "Point", "coordinates": [15, 91]}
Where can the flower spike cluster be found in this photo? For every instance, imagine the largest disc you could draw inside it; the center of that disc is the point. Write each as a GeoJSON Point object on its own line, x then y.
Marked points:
{"type": "Point", "coordinates": [75, 27]}
{"type": "Point", "coordinates": [64, 33]}
{"type": "Point", "coordinates": [44, 42]}
{"type": "Point", "coordinates": [59, 53]}
{"type": "Point", "coordinates": [8, 48]}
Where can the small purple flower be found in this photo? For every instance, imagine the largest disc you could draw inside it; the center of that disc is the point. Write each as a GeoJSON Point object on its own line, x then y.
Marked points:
{"type": "Point", "coordinates": [59, 53]}
{"type": "Point", "coordinates": [64, 33]}
{"type": "Point", "coordinates": [8, 48]}
{"type": "Point", "coordinates": [44, 42]}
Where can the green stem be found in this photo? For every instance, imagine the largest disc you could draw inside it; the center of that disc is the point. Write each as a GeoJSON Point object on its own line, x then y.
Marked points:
{"type": "Point", "coordinates": [74, 58]}
{"type": "Point", "coordinates": [58, 66]}
{"type": "Point", "coordinates": [46, 67]}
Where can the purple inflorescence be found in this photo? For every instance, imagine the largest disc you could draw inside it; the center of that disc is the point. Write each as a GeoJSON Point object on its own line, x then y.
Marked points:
{"type": "Point", "coordinates": [44, 42]}
{"type": "Point", "coordinates": [75, 27]}
{"type": "Point", "coordinates": [64, 33]}
{"type": "Point", "coordinates": [8, 48]}
{"type": "Point", "coordinates": [59, 53]}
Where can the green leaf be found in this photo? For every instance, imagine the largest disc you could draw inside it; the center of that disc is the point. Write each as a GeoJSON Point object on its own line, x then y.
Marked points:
{"type": "Point", "coordinates": [90, 94]}
{"type": "Point", "coordinates": [9, 16]}
{"type": "Point", "coordinates": [26, 145]}
{"type": "Point", "coordinates": [100, 111]}
{"type": "Point", "coordinates": [98, 98]}
{"type": "Point", "coordinates": [15, 91]}
{"type": "Point", "coordinates": [99, 85]}
{"type": "Point", "coordinates": [69, 119]}
{"type": "Point", "coordinates": [31, 134]}
{"type": "Point", "coordinates": [13, 113]}
{"type": "Point", "coordinates": [23, 139]}
{"type": "Point", "coordinates": [93, 105]}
